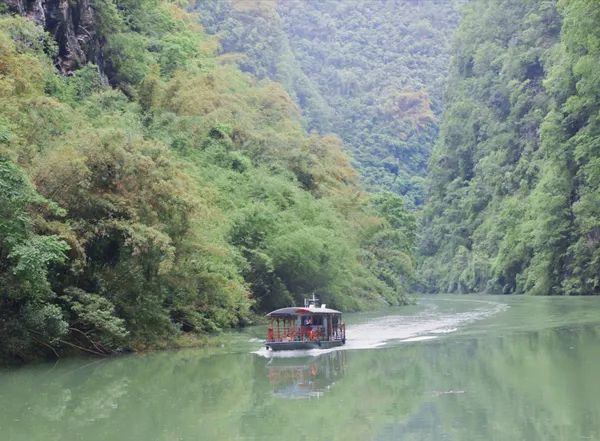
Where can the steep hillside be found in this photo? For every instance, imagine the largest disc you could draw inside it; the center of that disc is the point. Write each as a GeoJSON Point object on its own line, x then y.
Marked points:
{"type": "Point", "coordinates": [162, 191]}
{"type": "Point", "coordinates": [253, 36]}
{"type": "Point", "coordinates": [372, 71]}
{"type": "Point", "coordinates": [515, 186]}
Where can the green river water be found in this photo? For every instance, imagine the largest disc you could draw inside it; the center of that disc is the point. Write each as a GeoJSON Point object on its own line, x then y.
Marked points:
{"type": "Point", "coordinates": [449, 368]}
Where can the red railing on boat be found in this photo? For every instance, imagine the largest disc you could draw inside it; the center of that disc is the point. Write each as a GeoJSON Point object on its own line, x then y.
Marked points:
{"type": "Point", "coordinates": [286, 332]}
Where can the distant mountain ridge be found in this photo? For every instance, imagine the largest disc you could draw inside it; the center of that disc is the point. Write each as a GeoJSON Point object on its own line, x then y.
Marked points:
{"type": "Point", "coordinates": [373, 72]}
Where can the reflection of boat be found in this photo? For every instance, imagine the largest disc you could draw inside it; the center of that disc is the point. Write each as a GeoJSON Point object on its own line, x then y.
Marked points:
{"type": "Point", "coordinates": [308, 327]}
{"type": "Point", "coordinates": [305, 377]}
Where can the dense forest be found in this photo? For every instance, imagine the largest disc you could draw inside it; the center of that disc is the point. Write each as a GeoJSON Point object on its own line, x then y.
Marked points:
{"type": "Point", "coordinates": [171, 170]}
{"type": "Point", "coordinates": [514, 203]}
{"type": "Point", "coordinates": [373, 72]}
{"type": "Point", "coordinates": [150, 189]}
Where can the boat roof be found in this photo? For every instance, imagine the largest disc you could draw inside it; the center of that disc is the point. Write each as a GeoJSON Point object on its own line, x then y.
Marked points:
{"type": "Point", "coordinates": [300, 310]}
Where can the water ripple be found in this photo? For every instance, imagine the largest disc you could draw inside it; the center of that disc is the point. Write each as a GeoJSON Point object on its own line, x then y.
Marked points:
{"type": "Point", "coordinates": [428, 324]}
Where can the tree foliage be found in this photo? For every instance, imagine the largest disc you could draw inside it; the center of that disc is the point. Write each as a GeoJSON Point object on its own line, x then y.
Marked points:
{"type": "Point", "coordinates": [180, 196]}
{"type": "Point", "coordinates": [372, 71]}
{"type": "Point", "coordinates": [514, 191]}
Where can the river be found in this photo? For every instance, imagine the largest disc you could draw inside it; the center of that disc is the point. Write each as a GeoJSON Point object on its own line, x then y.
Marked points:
{"type": "Point", "coordinates": [448, 368]}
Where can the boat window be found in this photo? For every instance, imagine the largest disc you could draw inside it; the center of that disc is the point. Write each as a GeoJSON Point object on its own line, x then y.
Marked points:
{"type": "Point", "coordinates": [312, 320]}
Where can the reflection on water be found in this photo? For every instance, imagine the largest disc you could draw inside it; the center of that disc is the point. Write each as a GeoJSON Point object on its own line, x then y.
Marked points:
{"type": "Point", "coordinates": [529, 372]}
{"type": "Point", "coordinates": [307, 377]}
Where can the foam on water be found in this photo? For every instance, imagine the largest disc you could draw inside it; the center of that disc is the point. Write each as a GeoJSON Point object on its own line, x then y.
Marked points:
{"type": "Point", "coordinates": [425, 325]}
{"type": "Point", "coordinates": [420, 338]}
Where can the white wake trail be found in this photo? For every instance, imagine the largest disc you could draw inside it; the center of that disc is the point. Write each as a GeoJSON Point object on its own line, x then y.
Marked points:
{"type": "Point", "coordinates": [425, 325]}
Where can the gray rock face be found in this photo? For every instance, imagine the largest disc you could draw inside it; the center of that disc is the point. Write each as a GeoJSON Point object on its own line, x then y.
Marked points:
{"type": "Point", "coordinates": [72, 23]}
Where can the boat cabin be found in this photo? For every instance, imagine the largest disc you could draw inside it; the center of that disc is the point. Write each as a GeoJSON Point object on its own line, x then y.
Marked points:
{"type": "Point", "coordinates": [308, 327]}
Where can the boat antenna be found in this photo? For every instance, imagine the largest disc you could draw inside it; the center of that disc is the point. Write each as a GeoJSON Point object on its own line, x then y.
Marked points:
{"type": "Point", "coordinates": [312, 301]}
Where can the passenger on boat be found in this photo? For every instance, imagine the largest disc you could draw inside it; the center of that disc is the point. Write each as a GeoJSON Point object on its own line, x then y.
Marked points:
{"type": "Point", "coordinates": [309, 330]}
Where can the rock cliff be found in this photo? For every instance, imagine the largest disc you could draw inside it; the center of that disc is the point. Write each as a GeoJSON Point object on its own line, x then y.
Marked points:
{"type": "Point", "coordinates": [72, 23]}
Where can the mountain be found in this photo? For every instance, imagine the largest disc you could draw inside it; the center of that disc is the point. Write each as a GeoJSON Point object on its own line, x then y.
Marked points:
{"type": "Point", "coordinates": [152, 192]}
{"type": "Point", "coordinates": [514, 199]}
{"type": "Point", "coordinates": [373, 72]}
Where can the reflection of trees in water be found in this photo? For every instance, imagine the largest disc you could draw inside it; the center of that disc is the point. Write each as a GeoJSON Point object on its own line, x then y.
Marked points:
{"type": "Point", "coordinates": [305, 377]}
{"type": "Point", "coordinates": [181, 395]}
{"type": "Point", "coordinates": [360, 391]}
{"type": "Point", "coordinates": [531, 385]}
{"type": "Point", "coordinates": [538, 385]}
{"type": "Point", "coordinates": [162, 396]}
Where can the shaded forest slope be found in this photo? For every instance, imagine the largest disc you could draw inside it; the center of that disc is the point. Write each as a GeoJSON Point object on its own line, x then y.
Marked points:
{"type": "Point", "coordinates": [514, 203]}
{"type": "Point", "coordinates": [373, 72]}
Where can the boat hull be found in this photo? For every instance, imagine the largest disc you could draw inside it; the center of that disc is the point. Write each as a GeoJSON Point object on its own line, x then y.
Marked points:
{"type": "Point", "coordinates": [302, 345]}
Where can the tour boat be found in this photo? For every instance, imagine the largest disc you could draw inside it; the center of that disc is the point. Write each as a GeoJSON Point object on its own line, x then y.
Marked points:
{"type": "Point", "coordinates": [308, 327]}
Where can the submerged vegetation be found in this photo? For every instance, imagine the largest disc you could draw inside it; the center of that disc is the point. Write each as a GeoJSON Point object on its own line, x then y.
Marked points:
{"type": "Point", "coordinates": [161, 190]}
